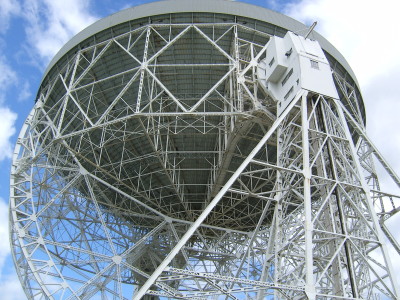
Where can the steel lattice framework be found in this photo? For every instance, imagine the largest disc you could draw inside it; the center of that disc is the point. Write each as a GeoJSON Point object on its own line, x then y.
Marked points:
{"type": "Point", "coordinates": [153, 164]}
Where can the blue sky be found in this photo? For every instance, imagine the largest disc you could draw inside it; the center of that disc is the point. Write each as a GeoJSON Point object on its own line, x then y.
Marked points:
{"type": "Point", "coordinates": [32, 31]}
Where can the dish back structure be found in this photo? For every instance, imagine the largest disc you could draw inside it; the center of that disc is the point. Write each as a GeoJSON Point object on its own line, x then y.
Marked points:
{"type": "Point", "coordinates": [156, 163]}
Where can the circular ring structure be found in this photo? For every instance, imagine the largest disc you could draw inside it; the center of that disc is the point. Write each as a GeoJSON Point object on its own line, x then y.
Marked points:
{"type": "Point", "coordinates": [138, 123]}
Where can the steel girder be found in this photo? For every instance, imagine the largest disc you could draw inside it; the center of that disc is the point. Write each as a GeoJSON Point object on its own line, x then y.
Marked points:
{"type": "Point", "coordinates": [124, 186]}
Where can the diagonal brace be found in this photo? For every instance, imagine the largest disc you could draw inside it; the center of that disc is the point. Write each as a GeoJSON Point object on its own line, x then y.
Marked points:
{"type": "Point", "coordinates": [215, 201]}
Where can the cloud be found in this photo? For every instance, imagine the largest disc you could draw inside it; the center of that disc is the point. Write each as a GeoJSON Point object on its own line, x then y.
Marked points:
{"type": "Point", "coordinates": [382, 114]}
{"type": "Point", "coordinates": [25, 91]}
{"type": "Point", "coordinates": [7, 130]}
{"type": "Point", "coordinates": [11, 289]}
{"type": "Point", "coordinates": [8, 77]}
{"type": "Point", "coordinates": [4, 246]}
{"type": "Point", "coordinates": [7, 9]}
{"type": "Point", "coordinates": [10, 285]}
{"type": "Point", "coordinates": [52, 23]}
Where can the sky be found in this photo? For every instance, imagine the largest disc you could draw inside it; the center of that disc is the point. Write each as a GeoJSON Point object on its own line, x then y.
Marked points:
{"type": "Point", "coordinates": [32, 31]}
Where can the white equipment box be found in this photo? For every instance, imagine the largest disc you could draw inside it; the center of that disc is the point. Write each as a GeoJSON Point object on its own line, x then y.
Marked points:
{"type": "Point", "coordinates": [293, 63]}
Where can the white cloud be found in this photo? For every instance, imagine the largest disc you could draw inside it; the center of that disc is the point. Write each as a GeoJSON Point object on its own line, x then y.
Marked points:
{"type": "Point", "coordinates": [8, 77]}
{"type": "Point", "coordinates": [25, 91]}
{"type": "Point", "coordinates": [10, 285]}
{"type": "Point", "coordinates": [4, 246]}
{"type": "Point", "coordinates": [53, 23]}
{"type": "Point", "coordinates": [11, 289]}
{"type": "Point", "coordinates": [383, 109]}
{"type": "Point", "coordinates": [7, 9]}
{"type": "Point", "coordinates": [7, 130]}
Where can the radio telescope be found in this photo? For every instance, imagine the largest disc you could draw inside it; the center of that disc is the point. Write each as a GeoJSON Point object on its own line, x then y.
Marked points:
{"type": "Point", "coordinates": [200, 150]}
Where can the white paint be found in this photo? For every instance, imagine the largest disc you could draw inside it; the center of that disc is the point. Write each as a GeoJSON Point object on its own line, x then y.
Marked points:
{"type": "Point", "coordinates": [293, 63]}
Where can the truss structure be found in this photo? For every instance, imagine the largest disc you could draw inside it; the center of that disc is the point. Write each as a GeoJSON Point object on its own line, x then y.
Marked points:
{"type": "Point", "coordinates": [152, 165]}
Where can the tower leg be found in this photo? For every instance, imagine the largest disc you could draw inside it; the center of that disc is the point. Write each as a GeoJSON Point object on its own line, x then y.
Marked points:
{"type": "Point", "coordinates": [375, 221]}
{"type": "Point", "coordinates": [308, 225]}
